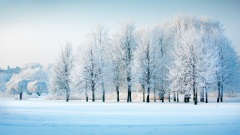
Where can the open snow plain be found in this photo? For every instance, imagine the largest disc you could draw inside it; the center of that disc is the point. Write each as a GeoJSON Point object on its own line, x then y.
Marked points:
{"type": "Point", "coordinates": [43, 117]}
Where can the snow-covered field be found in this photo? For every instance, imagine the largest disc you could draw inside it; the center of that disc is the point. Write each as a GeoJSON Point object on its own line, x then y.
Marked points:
{"type": "Point", "coordinates": [43, 117]}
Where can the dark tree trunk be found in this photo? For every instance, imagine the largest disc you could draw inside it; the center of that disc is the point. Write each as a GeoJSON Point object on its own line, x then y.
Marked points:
{"type": "Point", "coordinates": [219, 87]}
{"type": "Point", "coordinates": [169, 98]}
{"type": "Point", "coordinates": [162, 97]}
{"type": "Point", "coordinates": [221, 93]}
{"type": "Point", "coordinates": [103, 98]}
{"type": "Point", "coordinates": [194, 89]}
{"type": "Point", "coordinates": [143, 88]}
{"type": "Point", "coordinates": [177, 97]}
{"type": "Point", "coordinates": [186, 98]}
{"type": "Point", "coordinates": [202, 95]}
{"type": "Point", "coordinates": [206, 97]}
{"type": "Point", "coordinates": [129, 99]}
{"type": "Point", "coordinates": [174, 96]}
{"type": "Point", "coordinates": [129, 70]}
{"type": "Point", "coordinates": [86, 98]}
{"type": "Point", "coordinates": [195, 98]}
{"type": "Point", "coordinates": [86, 94]}
{"type": "Point", "coordinates": [117, 89]}
{"type": "Point", "coordinates": [148, 74]}
{"type": "Point", "coordinates": [93, 94]}
{"type": "Point", "coordinates": [103, 89]}
{"type": "Point", "coordinates": [20, 96]}
{"type": "Point", "coordinates": [67, 97]}
{"type": "Point", "coordinates": [148, 99]}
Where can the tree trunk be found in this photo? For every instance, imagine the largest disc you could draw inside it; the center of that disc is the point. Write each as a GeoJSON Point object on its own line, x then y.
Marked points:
{"type": "Point", "coordinates": [202, 95]}
{"type": "Point", "coordinates": [219, 87]}
{"type": "Point", "coordinates": [162, 97]}
{"type": "Point", "coordinates": [194, 91]}
{"type": "Point", "coordinates": [20, 96]}
{"type": "Point", "coordinates": [148, 74]}
{"type": "Point", "coordinates": [67, 97]}
{"type": "Point", "coordinates": [93, 94]}
{"type": "Point", "coordinates": [143, 88]}
{"type": "Point", "coordinates": [195, 98]}
{"type": "Point", "coordinates": [169, 98]}
{"type": "Point", "coordinates": [129, 99]}
{"type": "Point", "coordinates": [86, 98]}
{"type": "Point", "coordinates": [103, 98]}
{"type": "Point", "coordinates": [148, 98]}
{"type": "Point", "coordinates": [129, 70]}
{"type": "Point", "coordinates": [174, 96]}
{"type": "Point", "coordinates": [117, 89]}
{"type": "Point", "coordinates": [177, 97]}
{"type": "Point", "coordinates": [103, 89]}
{"type": "Point", "coordinates": [221, 93]}
{"type": "Point", "coordinates": [206, 97]}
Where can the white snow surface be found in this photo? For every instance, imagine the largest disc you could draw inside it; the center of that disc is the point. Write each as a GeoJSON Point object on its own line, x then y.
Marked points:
{"type": "Point", "coordinates": [44, 117]}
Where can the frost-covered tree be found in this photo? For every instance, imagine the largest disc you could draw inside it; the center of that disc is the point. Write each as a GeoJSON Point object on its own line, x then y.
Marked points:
{"type": "Point", "coordinates": [60, 79]}
{"type": "Point", "coordinates": [100, 38]}
{"type": "Point", "coordinates": [161, 49]}
{"type": "Point", "coordinates": [37, 87]}
{"type": "Point", "coordinates": [90, 69]}
{"type": "Point", "coordinates": [128, 42]}
{"type": "Point", "coordinates": [145, 59]}
{"type": "Point", "coordinates": [227, 75]}
{"type": "Point", "coordinates": [17, 86]}
{"type": "Point", "coordinates": [148, 61]}
{"type": "Point", "coordinates": [194, 57]}
{"type": "Point", "coordinates": [117, 66]}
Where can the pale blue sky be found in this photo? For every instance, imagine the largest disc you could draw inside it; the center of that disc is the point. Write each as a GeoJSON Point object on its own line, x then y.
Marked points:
{"type": "Point", "coordinates": [34, 31]}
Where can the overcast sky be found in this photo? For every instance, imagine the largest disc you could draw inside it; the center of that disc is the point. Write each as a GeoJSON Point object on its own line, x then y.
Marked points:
{"type": "Point", "coordinates": [34, 31]}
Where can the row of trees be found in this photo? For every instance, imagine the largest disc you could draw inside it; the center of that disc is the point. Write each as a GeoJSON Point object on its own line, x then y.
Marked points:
{"type": "Point", "coordinates": [186, 55]}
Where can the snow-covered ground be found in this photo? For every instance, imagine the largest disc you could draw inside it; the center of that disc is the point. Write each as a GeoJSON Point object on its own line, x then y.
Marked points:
{"type": "Point", "coordinates": [43, 117]}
